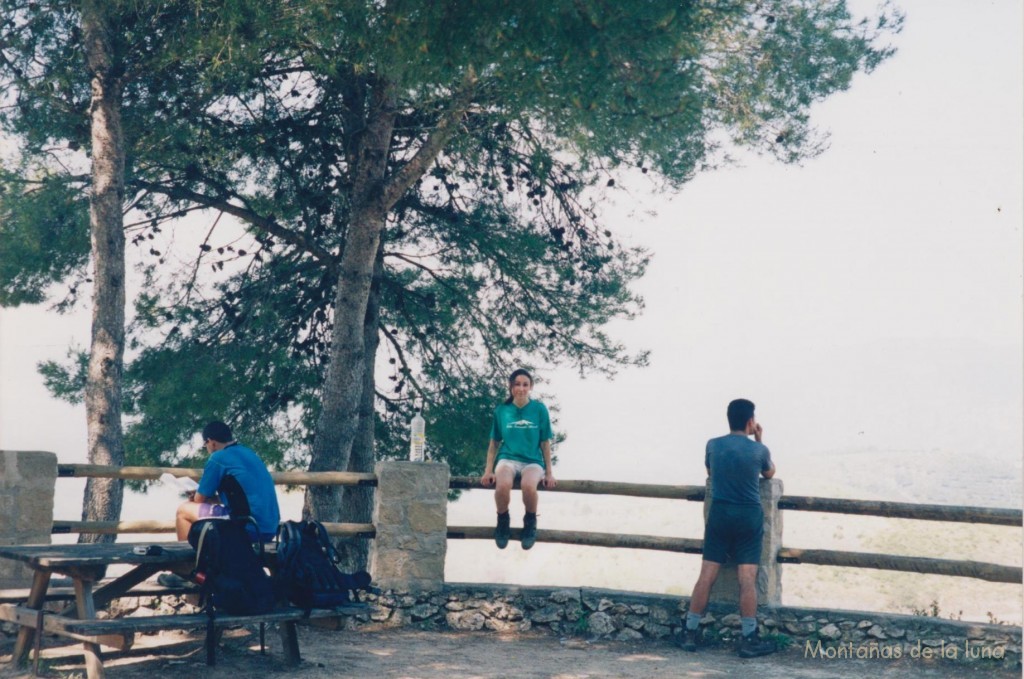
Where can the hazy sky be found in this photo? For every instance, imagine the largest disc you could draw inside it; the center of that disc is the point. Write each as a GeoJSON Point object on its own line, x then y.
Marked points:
{"type": "Point", "coordinates": [869, 299]}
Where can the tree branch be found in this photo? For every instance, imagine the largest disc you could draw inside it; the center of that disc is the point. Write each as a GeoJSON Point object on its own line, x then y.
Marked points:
{"type": "Point", "coordinates": [432, 146]}
{"type": "Point", "coordinates": [262, 223]}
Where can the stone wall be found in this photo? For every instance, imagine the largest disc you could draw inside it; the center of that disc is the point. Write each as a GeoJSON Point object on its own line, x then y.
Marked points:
{"type": "Point", "coordinates": [26, 505]}
{"type": "Point", "coordinates": [632, 617]}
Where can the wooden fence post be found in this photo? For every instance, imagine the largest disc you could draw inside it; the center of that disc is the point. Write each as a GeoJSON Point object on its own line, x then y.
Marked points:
{"type": "Point", "coordinates": [769, 575]}
{"type": "Point", "coordinates": [410, 514]}
{"type": "Point", "coordinates": [26, 505]}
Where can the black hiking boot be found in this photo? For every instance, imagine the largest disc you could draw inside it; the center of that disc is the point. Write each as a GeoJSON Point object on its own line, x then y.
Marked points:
{"type": "Point", "coordinates": [529, 535]}
{"type": "Point", "coordinates": [690, 639]}
{"type": "Point", "coordinates": [752, 646]}
{"type": "Point", "coordinates": [503, 531]}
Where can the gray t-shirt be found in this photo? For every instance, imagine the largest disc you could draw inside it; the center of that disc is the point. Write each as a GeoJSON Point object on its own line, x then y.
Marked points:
{"type": "Point", "coordinates": [736, 463]}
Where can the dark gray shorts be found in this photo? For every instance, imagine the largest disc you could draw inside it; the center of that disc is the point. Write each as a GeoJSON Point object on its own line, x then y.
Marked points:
{"type": "Point", "coordinates": [733, 532]}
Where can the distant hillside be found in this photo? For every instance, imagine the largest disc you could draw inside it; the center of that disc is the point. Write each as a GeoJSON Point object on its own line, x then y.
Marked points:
{"type": "Point", "coordinates": [930, 477]}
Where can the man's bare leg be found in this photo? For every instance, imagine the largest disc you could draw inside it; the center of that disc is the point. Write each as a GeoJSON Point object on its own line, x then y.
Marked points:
{"type": "Point", "coordinates": [702, 590]}
{"type": "Point", "coordinates": [751, 644]}
{"type": "Point", "coordinates": [699, 604]}
{"type": "Point", "coordinates": [747, 575]}
{"type": "Point", "coordinates": [188, 513]}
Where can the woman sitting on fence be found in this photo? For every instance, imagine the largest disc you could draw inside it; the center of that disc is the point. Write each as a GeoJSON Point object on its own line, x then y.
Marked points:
{"type": "Point", "coordinates": [521, 445]}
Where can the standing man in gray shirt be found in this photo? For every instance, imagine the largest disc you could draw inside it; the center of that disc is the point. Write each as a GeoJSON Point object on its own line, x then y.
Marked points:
{"type": "Point", "coordinates": [735, 524]}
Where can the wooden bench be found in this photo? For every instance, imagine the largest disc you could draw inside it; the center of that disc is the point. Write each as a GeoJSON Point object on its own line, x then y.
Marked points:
{"type": "Point", "coordinates": [119, 633]}
{"type": "Point", "coordinates": [126, 628]}
{"type": "Point", "coordinates": [85, 564]}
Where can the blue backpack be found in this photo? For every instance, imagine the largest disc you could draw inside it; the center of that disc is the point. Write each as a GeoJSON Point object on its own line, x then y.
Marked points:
{"type": "Point", "coordinates": [307, 568]}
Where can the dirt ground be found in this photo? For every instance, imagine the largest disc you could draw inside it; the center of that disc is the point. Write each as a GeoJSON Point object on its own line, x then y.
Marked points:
{"type": "Point", "coordinates": [413, 654]}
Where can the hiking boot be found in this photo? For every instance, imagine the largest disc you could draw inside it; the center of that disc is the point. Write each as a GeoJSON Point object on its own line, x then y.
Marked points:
{"type": "Point", "coordinates": [690, 639]}
{"type": "Point", "coordinates": [172, 581]}
{"type": "Point", "coordinates": [503, 531]}
{"type": "Point", "coordinates": [529, 534]}
{"type": "Point", "coordinates": [752, 646]}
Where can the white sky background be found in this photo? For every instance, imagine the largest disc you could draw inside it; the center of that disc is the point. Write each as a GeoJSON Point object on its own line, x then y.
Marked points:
{"type": "Point", "coordinates": [869, 300]}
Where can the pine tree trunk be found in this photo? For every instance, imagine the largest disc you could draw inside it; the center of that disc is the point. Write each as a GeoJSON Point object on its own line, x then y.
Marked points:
{"type": "Point", "coordinates": [357, 501]}
{"type": "Point", "coordinates": [343, 385]}
{"type": "Point", "coordinates": [103, 497]}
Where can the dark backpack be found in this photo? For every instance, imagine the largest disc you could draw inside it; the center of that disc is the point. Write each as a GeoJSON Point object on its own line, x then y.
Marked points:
{"type": "Point", "coordinates": [307, 567]}
{"type": "Point", "coordinates": [230, 568]}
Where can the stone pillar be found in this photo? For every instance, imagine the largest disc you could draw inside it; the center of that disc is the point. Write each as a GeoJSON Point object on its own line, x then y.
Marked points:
{"type": "Point", "coordinates": [26, 507]}
{"type": "Point", "coordinates": [769, 575]}
{"type": "Point", "coordinates": [410, 514]}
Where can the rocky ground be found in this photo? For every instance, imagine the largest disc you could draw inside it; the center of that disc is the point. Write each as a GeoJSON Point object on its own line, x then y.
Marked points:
{"type": "Point", "coordinates": [417, 654]}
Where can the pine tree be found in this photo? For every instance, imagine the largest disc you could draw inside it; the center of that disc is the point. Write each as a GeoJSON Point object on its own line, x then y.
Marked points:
{"type": "Point", "coordinates": [420, 176]}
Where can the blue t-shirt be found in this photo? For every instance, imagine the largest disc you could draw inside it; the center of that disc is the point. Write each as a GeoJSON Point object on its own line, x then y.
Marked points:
{"type": "Point", "coordinates": [521, 430]}
{"type": "Point", "coordinates": [736, 463]}
{"type": "Point", "coordinates": [252, 475]}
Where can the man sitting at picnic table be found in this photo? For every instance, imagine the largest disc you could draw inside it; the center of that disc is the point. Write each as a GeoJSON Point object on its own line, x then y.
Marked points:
{"type": "Point", "coordinates": [235, 483]}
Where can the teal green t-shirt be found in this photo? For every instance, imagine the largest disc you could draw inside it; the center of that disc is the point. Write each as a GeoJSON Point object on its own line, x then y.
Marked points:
{"type": "Point", "coordinates": [521, 430]}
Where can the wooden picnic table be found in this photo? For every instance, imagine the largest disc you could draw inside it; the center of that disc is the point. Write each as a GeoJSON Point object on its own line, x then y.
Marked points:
{"type": "Point", "coordinates": [86, 564]}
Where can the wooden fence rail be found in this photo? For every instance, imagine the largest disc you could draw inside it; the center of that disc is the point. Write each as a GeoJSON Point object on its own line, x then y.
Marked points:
{"type": "Point", "coordinates": [997, 516]}
{"type": "Point", "coordinates": [691, 493]}
{"type": "Point", "coordinates": [571, 537]}
{"type": "Point", "coordinates": [905, 510]}
{"type": "Point", "coordinates": [824, 557]}
{"type": "Point", "coordinates": [944, 513]}
{"type": "Point", "coordinates": [906, 564]}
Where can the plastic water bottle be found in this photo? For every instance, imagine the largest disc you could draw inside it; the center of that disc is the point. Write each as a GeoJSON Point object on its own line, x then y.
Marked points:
{"type": "Point", "coordinates": [417, 438]}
